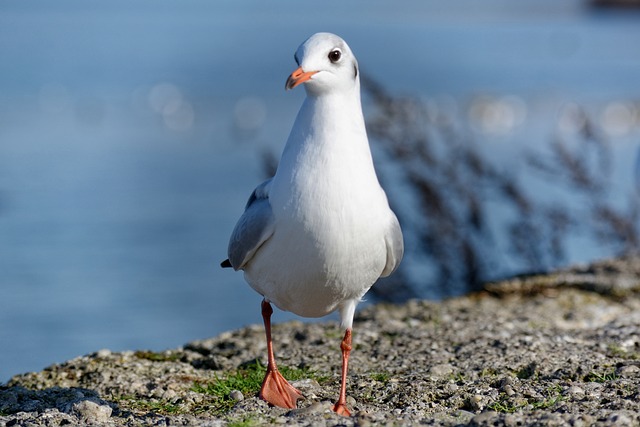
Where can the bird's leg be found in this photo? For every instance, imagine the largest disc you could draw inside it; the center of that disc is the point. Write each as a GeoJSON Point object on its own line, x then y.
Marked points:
{"type": "Point", "coordinates": [275, 388]}
{"type": "Point", "coordinates": [341, 405]}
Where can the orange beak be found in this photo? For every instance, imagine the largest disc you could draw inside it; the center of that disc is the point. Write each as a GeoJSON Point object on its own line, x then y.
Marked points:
{"type": "Point", "coordinates": [298, 77]}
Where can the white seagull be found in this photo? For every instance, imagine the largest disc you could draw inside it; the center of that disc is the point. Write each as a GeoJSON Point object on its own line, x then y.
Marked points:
{"type": "Point", "coordinates": [314, 238]}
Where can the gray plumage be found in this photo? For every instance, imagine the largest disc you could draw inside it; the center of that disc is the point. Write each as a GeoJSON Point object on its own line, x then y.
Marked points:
{"type": "Point", "coordinates": [254, 227]}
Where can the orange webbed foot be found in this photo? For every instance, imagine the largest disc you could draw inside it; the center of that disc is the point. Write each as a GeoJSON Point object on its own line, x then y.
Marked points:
{"type": "Point", "coordinates": [341, 409]}
{"type": "Point", "coordinates": [277, 391]}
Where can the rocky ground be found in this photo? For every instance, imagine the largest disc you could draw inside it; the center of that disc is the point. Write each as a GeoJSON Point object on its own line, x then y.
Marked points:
{"type": "Point", "coordinates": [549, 350]}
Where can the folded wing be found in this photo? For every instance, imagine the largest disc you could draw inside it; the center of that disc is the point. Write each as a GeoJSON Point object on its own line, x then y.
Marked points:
{"type": "Point", "coordinates": [395, 247]}
{"type": "Point", "coordinates": [254, 227]}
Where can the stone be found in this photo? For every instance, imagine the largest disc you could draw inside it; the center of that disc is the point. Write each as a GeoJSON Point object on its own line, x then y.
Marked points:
{"type": "Point", "coordinates": [91, 412]}
{"type": "Point", "coordinates": [484, 418]}
{"type": "Point", "coordinates": [575, 392]}
{"type": "Point", "coordinates": [236, 395]}
{"type": "Point", "coordinates": [628, 371]}
{"type": "Point", "coordinates": [314, 408]}
{"type": "Point", "coordinates": [441, 371]}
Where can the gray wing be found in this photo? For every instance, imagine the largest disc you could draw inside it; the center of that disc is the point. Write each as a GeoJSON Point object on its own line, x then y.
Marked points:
{"type": "Point", "coordinates": [395, 247]}
{"type": "Point", "coordinates": [254, 227]}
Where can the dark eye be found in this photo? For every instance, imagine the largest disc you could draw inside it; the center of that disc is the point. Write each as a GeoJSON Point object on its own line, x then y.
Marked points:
{"type": "Point", "coordinates": [335, 55]}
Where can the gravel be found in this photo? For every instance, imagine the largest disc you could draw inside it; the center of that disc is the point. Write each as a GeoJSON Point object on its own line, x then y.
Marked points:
{"type": "Point", "coordinates": [546, 350]}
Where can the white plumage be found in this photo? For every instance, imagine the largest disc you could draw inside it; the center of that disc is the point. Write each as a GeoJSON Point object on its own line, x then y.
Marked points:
{"type": "Point", "coordinates": [316, 236]}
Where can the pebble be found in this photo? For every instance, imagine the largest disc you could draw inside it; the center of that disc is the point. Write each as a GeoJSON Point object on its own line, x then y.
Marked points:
{"type": "Point", "coordinates": [103, 353]}
{"type": "Point", "coordinates": [475, 402]}
{"type": "Point", "coordinates": [91, 412]}
{"type": "Point", "coordinates": [451, 387]}
{"type": "Point", "coordinates": [575, 391]}
{"type": "Point", "coordinates": [620, 419]}
{"type": "Point", "coordinates": [236, 395]}
{"type": "Point", "coordinates": [508, 390]}
{"type": "Point", "coordinates": [314, 408]}
{"type": "Point", "coordinates": [628, 371]}
{"type": "Point", "coordinates": [351, 402]}
{"type": "Point", "coordinates": [440, 371]}
{"type": "Point", "coordinates": [484, 418]}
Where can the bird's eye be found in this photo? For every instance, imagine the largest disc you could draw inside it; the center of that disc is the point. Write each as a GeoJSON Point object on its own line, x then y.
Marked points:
{"type": "Point", "coordinates": [335, 55]}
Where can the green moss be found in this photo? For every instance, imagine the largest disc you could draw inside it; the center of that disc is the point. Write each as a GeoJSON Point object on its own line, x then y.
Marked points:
{"type": "Point", "coordinates": [334, 334]}
{"type": "Point", "coordinates": [382, 377]}
{"type": "Point", "coordinates": [247, 380]}
{"type": "Point", "coordinates": [553, 396]}
{"type": "Point", "coordinates": [527, 372]}
{"type": "Point", "coordinates": [135, 404]}
{"type": "Point", "coordinates": [457, 377]}
{"type": "Point", "coordinates": [615, 350]}
{"type": "Point", "coordinates": [508, 405]}
{"type": "Point", "coordinates": [601, 377]}
{"type": "Point", "coordinates": [157, 357]}
{"type": "Point", "coordinates": [503, 406]}
{"type": "Point", "coordinates": [245, 422]}
{"type": "Point", "coordinates": [369, 397]}
{"type": "Point", "coordinates": [488, 372]}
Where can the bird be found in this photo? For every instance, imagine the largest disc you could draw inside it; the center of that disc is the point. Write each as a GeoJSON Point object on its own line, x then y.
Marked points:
{"type": "Point", "coordinates": [315, 237]}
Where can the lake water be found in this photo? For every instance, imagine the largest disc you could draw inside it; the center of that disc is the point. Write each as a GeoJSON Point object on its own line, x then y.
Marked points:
{"type": "Point", "coordinates": [130, 138]}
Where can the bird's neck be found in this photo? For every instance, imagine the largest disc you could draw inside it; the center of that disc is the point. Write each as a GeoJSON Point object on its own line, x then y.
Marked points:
{"type": "Point", "coordinates": [328, 143]}
{"type": "Point", "coordinates": [332, 121]}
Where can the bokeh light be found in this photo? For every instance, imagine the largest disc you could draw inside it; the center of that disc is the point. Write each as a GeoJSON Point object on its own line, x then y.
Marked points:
{"type": "Point", "coordinates": [497, 115]}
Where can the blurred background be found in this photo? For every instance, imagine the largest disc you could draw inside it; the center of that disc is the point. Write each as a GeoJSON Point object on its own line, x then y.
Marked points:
{"type": "Point", "coordinates": [131, 134]}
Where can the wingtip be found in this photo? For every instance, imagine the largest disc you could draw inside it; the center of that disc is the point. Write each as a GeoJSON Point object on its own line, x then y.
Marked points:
{"type": "Point", "coordinates": [226, 264]}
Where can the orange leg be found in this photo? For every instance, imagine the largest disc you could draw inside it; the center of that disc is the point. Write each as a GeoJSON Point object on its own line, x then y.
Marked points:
{"type": "Point", "coordinates": [341, 405]}
{"type": "Point", "coordinates": [275, 389]}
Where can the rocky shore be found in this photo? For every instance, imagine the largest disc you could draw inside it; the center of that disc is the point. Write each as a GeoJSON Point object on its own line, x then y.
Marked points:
{"type": "Point", "coordinates": [548, 350]}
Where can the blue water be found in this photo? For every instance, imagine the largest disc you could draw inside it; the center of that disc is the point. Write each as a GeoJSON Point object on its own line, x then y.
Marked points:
{"type": "Point", "coordinates": [130, 138]}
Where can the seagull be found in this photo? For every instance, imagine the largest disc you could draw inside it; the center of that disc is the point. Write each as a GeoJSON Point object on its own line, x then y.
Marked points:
{"type": "Point", "coordinates": [314, 238]}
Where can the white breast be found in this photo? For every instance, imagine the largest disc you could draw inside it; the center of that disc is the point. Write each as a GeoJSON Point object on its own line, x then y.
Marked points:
{"type": "Point", "coordinates": [331, 215]}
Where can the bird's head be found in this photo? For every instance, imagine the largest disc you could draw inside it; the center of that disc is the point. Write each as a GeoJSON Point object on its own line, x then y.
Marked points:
{"type": "Point", "coordinates": [325, 64]}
